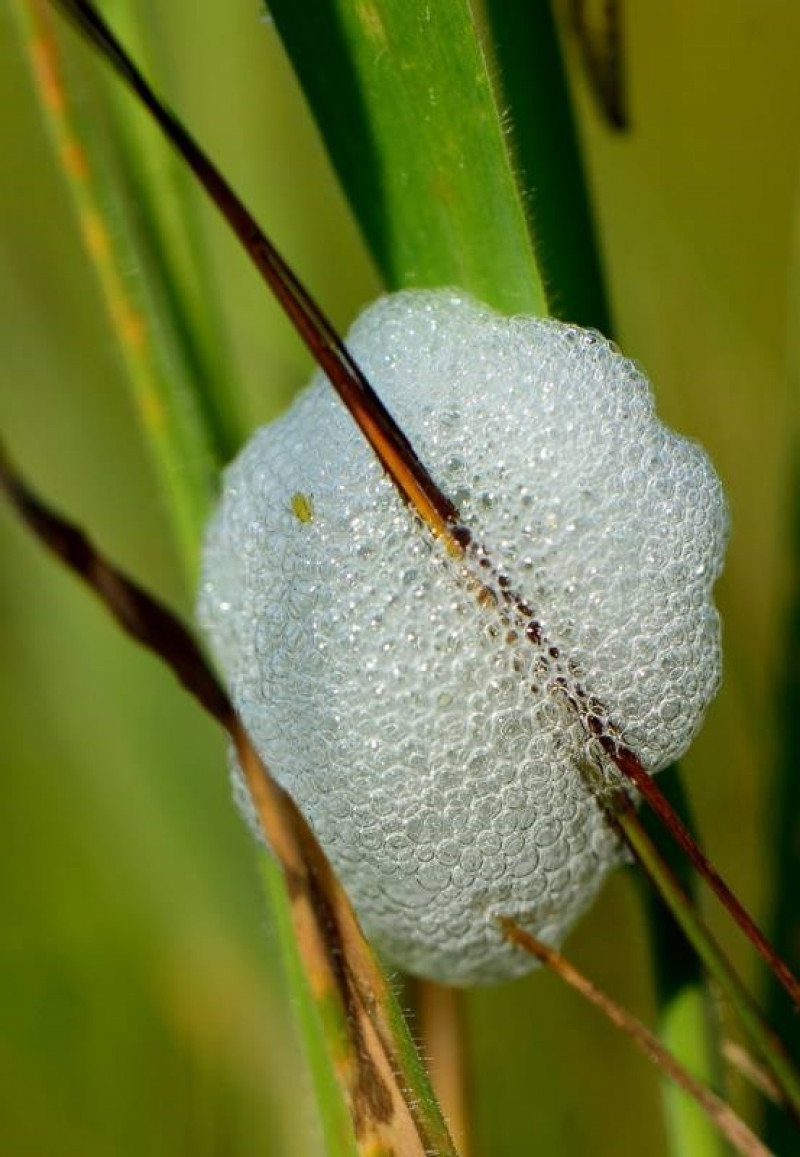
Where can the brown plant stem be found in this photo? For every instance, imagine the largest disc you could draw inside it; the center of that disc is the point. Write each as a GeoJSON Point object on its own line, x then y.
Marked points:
{"type": "Point", "coordinates": [729, 1124]}
{"type": "Point", "coordinates": [388, 1099]}
{"type": "Point", "coordinates": [740, 1059]}
{"type": "Point", "coordinates": [622, 815]}
{"type": "Point", "coordinates": [442, 1034]}
{"type": "Point", "coordinates": [646, 785]}
{"type": "Point", "coordinates": [411, 478]}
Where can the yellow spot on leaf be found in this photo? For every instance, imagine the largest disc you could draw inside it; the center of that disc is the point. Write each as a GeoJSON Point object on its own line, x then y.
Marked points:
{"type": "Point", "coordinates": [94, 231]}
{"type": "Point", "coordinates": [49, 82]}
{"type": "Point", "coordinates": [74, 160]}
{"type": "Point", "coordinates": [132, 327]}
{"type": "Point", "coordinates": [369, 18]}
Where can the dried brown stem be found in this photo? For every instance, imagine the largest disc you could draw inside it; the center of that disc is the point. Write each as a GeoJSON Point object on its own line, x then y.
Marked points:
{"type": "Point", "coordinates": [729, 1124]}
{"type": "Point", "coordinates": [390, 1109]}
{"type": "Point", "coordinates": [623, 816]}
{"type": "Point", "coordinates": [440, 1018]}
{"type": "Point", "coordinates": [740, 1059]}
{"type": "Point", "coordinates": [633, 771]}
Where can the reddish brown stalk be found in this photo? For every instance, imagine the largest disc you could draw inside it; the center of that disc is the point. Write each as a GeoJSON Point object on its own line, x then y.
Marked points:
{"type": "Point", "coordinates": [633, 771]}
{"type": "Point", "coordinates": [729, 1124]}
{"type": "Point", "coordinates": [395, 452]}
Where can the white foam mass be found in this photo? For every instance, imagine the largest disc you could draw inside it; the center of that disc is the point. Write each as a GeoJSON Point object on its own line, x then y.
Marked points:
{"type": "Point", "coordinates": [426, 741]}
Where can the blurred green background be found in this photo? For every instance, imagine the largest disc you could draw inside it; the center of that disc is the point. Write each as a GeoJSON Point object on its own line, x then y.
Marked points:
{"type": "Point", "coordinates": [142, 1005]}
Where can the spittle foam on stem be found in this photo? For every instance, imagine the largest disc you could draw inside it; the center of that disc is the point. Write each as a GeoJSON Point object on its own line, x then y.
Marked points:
{"type": "Point", "coordinates": [432, 743]}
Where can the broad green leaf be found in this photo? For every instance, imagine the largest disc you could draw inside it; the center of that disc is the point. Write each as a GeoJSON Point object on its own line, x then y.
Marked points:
{"type": "Point", "coordinates": [550, 169]}
{"type": "Point", "coordinates": [405, 99]}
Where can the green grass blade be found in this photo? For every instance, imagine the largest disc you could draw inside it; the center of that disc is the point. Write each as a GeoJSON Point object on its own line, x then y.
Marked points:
{"type": "Point", "coordinates": [360, 100]}
{"type": "Point", "coordinates": [182, 445]}
{"type": "Point", "coordinates": [404, 97]}
{"type": "Point", "coordinates": [183, 439]}
{"type": "Point", "coordinates": [685, 1017]}
{"type": "Point", "coordinates": [162, 209]}
{"type": "Point", "coordinates": [336, 1125]}
{"type": "Point", "coordinates": [544, 136]}
{"type": "Point", "coordinates": [543, 125]}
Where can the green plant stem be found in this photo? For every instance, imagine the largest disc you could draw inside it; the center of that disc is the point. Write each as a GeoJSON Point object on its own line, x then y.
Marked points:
{"type": "Point", "coordinates": [441, 1024]}
{"type": "Point", "coordinates": [683, 1026]}
{"type": "Point", "coordinates": [762, 1038]}
{"type": "Point", "coordinates": [337, 1128]}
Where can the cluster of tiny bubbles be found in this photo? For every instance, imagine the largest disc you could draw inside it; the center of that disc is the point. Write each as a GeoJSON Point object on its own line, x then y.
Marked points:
{"type": "Point", "coordinates": [424, 735]}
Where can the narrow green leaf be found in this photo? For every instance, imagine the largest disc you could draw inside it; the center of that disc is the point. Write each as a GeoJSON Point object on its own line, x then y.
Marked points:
{"type": "Point", "coordinates": [160, 211]}
{"type": "Point", "coordinates": [186, 440]}
{"type": "Point", "coordinates": [368, 1044]}
{"type": "Point", "coordinates": [406, 103]}
{"type": "Point", "coordinates": [173, 420]}
{"type": "Point", "coordinates": [337, 1129]}
{"type": "Point", "coordinates": [370, 107]}
{"type": "Point", "coordinates": [550, 166]}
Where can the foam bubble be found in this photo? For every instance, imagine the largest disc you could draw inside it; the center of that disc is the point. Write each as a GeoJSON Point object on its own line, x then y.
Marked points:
{"type": "Point", "coordinates": [438, 758]}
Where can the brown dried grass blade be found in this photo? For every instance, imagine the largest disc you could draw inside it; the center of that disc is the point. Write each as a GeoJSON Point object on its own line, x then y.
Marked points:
{"type": "Point", "coordinates": [392, 1107]}
{"type": "Point", "coordinates": [729, 1124]}
{"type": "Point", "coordinates": [623, 816]}
{"type": "Point", "coordinates": [631, 768]}
{"type": "Point", "coordinates": [755, 1074]}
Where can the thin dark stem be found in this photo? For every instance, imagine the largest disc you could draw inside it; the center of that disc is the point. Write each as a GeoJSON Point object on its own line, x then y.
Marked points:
{"type": "Point", "coordinates": [729, 1124]}
{"type": "Point", "coordinates": [141, 616]}
{"type": "Point", "coordinates": [633, 771]}
{"type": "Point", "coordinates": [622, 815]}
